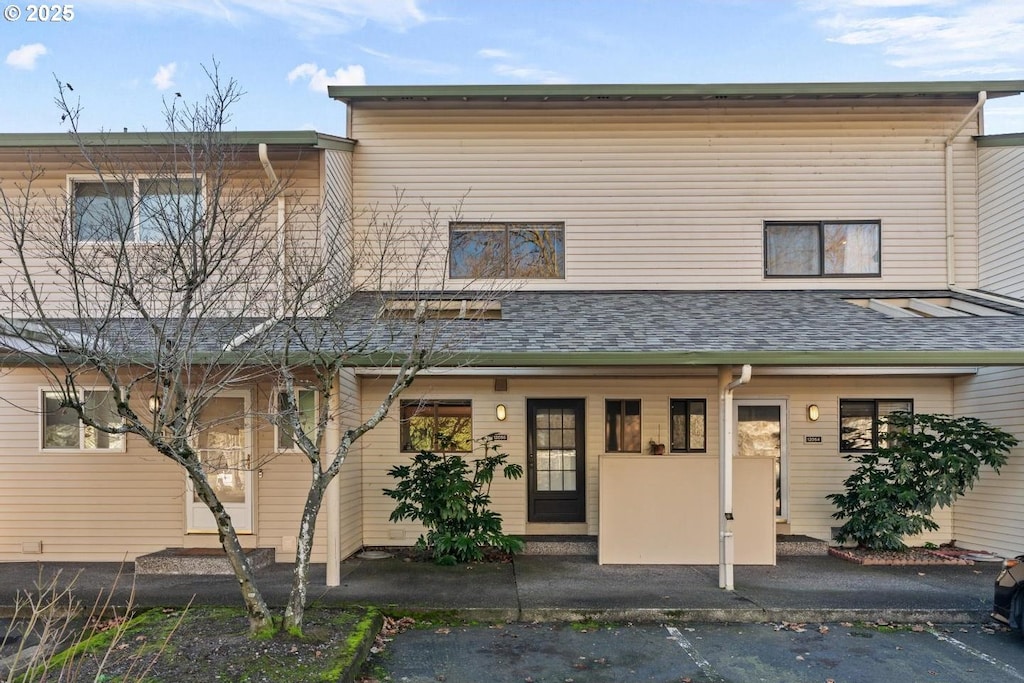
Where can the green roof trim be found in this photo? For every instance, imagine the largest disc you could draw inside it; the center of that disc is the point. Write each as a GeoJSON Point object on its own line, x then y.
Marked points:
{"type": "Point", "coordinates": [683, 358]}
{"type": "Point", "coordinates": [1004, 140]}
{"type": "Point", "coordinates": [740, 91]}
{"type": "Point", "coordinates": [291, 138]}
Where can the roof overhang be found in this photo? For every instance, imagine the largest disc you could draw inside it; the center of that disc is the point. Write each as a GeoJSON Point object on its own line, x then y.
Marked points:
{"type": "Point", "coordinates": [925, 90]}
{"type": "Point", "coordinates": [946, 359]}
{"type": "Point", "coordinates": [283, 138]}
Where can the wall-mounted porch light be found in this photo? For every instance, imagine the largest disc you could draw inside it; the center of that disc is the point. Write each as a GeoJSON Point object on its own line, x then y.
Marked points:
{"type": "Point", "coordinates": [500, 412]}
{"type": "Point", "coordinates": [813, 413]}
{"type": "Point", "coordinates": [154, 404]}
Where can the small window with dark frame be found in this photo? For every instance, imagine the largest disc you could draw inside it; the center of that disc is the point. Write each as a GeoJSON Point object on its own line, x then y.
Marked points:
{"type": "Point", "coordinates": [860, 425]}
{"type": "Point", "coordinates": [823, 249]}
{"type": "Point", "coordinates": [437, 426]}
{"type": "Point", "coordinates": [306, 402]}
{"type": "Point", "coordinates": [506, 250]}
{"type": "Point", "coordinates": [622, 426]}
{"type": "Point", "coordinates": [688, 425]}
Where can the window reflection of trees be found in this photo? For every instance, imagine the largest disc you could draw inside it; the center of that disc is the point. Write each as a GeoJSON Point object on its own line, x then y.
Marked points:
{"type": "Point", "coordinates": [439, 427]}
{"type": "Point", "coordinates": [515, 250]}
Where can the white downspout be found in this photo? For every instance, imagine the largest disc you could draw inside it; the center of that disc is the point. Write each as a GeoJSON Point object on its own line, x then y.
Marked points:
{"type": "Point", "coordinates": [726, 549]}
{"type": "Point", "coordinates": [332, 440]}
{"type": "Point", "coordinates": [950, 202]}
{"type": "Point", "coordinates": [268, 168]}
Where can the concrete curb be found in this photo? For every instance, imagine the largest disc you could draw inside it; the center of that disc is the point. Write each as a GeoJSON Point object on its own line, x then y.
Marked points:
{"type": "Point", "coordinates": [370, 625]}
{"type": "Point", "coordinates": [753, 615]}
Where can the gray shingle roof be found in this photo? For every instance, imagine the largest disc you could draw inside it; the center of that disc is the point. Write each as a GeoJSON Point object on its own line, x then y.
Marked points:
{"type": "Point", "coordinates": [651, 322]}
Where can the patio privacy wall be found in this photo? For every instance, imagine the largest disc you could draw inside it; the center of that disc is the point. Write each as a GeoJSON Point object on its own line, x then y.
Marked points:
{"type": "Point", "coordinates": [815, 469]}
{"type": "Point", "coordinates": [674, 195]}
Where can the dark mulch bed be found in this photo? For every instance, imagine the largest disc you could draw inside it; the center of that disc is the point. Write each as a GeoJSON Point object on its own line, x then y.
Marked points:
{"type": "Point", "coordinates": [912, 556]}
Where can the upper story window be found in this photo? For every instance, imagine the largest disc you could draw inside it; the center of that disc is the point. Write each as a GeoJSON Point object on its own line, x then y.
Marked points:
{"type": "Point", "coordinates": [622, 426]}
{"type": "Point", "coordinates": [62, 430]}
{"type": "Point", "coordinates": [306, 402]}
{"type": "Point", "coordinates": [507, 250]}
{"type": "Point", "coordinates": [823, 249]}
{"type": "Point", "coordinates": [438, 426]}
{"type": "Point", "coordinates": [860, 426]}
{"type": "Point", "coordinates": [135, 210]}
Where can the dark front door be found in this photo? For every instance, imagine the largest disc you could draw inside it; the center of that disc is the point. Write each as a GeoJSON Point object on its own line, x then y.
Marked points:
{"type": "Point", "coordinates": [555, 460]}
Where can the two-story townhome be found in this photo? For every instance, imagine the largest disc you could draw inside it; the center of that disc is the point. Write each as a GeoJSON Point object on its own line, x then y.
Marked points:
{"type": "Point", "coordinates": [68, 492]}
{"type": "Point", "coordinates": [703, 297]}
{"type": "Point", "coordinates": [662, 238]}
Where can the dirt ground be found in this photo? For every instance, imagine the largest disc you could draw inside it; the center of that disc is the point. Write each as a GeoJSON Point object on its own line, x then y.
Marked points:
{"type": "Point", "coordinates": [213, 644]}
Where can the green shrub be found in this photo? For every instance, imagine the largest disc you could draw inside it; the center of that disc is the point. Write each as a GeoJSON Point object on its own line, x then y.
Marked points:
{"type": "Point", "coordinates": [452, 499]}
{"type": "Point", "coordinates": [927, 461]}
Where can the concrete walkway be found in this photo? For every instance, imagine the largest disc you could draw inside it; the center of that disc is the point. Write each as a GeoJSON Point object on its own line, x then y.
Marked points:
{"type": "Point", "coordinates": [544, 587]}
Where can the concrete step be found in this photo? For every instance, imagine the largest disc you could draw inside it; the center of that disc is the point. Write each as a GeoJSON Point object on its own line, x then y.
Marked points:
{"type": "Point", "coordinates": [795, 544]}
{"type": "Point", "coordinates": [560, 545]}
{"type": "Point", "coordinates": [198, 561]}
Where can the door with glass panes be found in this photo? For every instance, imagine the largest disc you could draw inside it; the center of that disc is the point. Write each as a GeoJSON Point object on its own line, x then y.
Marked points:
{"type": "Point", "coordinates": [555, 460]}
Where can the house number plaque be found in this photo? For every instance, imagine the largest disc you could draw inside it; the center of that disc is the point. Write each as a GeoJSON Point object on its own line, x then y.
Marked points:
{"type": "Point", "coordinates": [812, 439]}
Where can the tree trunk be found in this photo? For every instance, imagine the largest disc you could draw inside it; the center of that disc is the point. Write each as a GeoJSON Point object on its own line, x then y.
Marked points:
{"type": "Point", "coordinates": [255, 606]}
{"type": "Point", "coordinates": [295, 610]}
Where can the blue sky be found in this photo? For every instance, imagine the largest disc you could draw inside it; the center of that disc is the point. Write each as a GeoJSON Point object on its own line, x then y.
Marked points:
{"type": "Point", "coordinates": [125, 58]}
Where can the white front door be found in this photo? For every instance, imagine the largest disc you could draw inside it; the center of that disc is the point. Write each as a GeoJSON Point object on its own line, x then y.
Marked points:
{"type": "Point", "coordinates": [224, 442]}
{"type": "Point", "coordinates": [760, 430]}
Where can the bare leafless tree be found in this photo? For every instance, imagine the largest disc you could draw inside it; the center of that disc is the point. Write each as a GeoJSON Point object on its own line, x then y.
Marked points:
{"type": "Point", "coordinates": [164, 281]}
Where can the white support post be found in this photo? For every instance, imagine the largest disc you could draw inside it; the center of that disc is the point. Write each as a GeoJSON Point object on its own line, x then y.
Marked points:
{"type": "Point", "coordinates": [332, 440]}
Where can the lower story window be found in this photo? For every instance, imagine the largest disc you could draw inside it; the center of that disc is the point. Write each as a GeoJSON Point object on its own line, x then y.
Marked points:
{"type": "Point", "coordinates": [622, 426]}
{"type": "Point", "coordinates": [860, 425]}
{"type": "Point", "coordinates": [439, 426]}
{"type": "Point", "coordinates": [62, 430]}
{"type": "Point", "coordinates": [305, 401]}
{"type": "Point", "coordinates": [688, 425]}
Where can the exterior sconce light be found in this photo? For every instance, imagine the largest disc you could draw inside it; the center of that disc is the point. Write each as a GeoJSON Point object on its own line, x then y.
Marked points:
{"type": "Point", "coordinates": [154, 404]}
{"type": "Point", "coordinates": [813, 413]}
{"type": "Point", "coordinates": [500, 412]}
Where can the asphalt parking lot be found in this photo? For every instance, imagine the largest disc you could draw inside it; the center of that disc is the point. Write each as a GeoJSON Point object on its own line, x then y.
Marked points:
{"type": "Point", "coordinates": [741, 653]}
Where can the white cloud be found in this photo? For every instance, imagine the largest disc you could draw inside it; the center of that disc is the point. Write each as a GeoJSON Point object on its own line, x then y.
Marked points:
{"type": "Point", "coordinates": [526, 73]}
{"type": "Point", "coordinates": [319, 79]}
{"type": "Point", "coordinates": [934, 36]}
{"type": "Point", "coordinates": [491, 53]}
{"type": "Point", "coordinates": [164, 77]}
{"type": "Point", "coordinates": [309, 16]}
{"type": "Point", "coordinates": [25, 56]}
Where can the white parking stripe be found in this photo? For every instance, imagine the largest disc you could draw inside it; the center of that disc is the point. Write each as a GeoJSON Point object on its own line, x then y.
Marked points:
{"type": "Point", "coordinates": [702, 664]}
{"type": "Point", "coordinates": [1006, 668]}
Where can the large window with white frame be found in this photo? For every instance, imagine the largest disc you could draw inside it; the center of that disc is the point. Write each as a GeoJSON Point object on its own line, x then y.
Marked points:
{"type": "Point", "coordinates": [307, 403]}
{"type": "Point", "coordinates": [823, 249]}
{"type": "Point", "coordinates": [61, 430]}
{"type": "Point", "coordinates": [139, 209]}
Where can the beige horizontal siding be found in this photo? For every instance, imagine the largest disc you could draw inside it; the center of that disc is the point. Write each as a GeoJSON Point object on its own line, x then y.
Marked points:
{"type": "Point", "coordinates": [109, 506]}
{"type": "Point", "coordinates": [50, 169]}
{"type": "Point", "coordinates": [815, 469]}
{"type": "Point", "coordinates": [676, 196]}
{"type": "Point", "coordinates": [1001, 221]}
{"type": "Point", "coordinates": [991, 515]}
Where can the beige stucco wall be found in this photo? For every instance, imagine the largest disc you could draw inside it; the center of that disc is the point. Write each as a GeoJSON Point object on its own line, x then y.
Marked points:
{"type": "Point", "coordinates": [814, 469]}
{"type": "Point", "coordinates": [674, 195]}
{"type": "Point", "coordinates": [665, 510]}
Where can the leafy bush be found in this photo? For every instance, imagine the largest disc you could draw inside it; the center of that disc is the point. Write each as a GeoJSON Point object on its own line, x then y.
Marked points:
{"type": "Point", "coordinates": [452, 500]}
{"type": "Point", "coordinates": [927, 461]}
